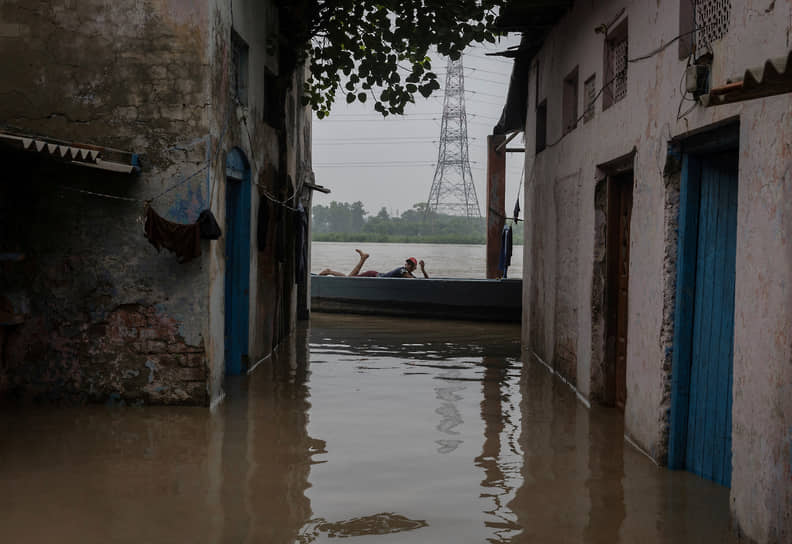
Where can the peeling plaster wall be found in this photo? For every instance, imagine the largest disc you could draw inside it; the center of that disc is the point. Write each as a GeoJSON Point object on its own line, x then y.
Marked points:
{"type": "Point", "coordinates": [153, 77]}
{"type": "Point", "coordinates": [644, 121]}
{"type": "Point", "coordinates": [107, 316]}
{"type": "Point", "coordinates": [273, 129]}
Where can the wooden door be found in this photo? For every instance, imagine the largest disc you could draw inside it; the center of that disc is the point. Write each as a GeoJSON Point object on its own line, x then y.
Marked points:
{"type": "Point", "coordinates": [625, 214]}
{"type": "Point", "coordinates": [708, 451]}
{"type": "Point", "coordinates": [619, 216]}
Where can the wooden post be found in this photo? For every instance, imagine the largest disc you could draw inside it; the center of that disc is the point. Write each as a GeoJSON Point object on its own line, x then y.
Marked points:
{"type": "Point", "coordinates": [496, 200]}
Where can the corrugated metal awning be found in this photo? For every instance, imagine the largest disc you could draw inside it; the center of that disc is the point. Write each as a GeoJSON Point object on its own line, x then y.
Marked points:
{"type": "Point", "coordinates": [774, 77]}
{"type": "Point", "coordinates": [92, 156]}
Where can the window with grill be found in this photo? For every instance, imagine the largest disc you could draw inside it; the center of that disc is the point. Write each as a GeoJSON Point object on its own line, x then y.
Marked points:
{"type": "Point", "coordinates": [569, 114]}
{"type": "Point", "coordinates": [239, 66]}
{"type": "Point", "coordinates": [701, 22]}
{"type": "Point", "coordinates": [589, 97]}
{"type": "Point", "coordinates": [615, 66]}
{"type": "Point", "coordinates": [712, 23]}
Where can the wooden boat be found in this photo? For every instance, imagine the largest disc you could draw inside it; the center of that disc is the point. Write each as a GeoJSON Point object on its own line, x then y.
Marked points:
{"type": "Point", "coordinates": [439, 298]}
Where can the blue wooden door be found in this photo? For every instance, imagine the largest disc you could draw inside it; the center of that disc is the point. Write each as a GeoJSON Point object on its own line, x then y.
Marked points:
{"type": "Point", "coordinates": [237, 277]}
{"type": "Point", "coordinates": [704, 339]}
{"type": "Point", "coordinates": [709, 413]}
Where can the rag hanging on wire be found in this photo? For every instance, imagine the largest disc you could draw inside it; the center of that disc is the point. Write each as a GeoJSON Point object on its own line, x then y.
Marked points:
{"type": "Point", "coordinates": [507, 235]}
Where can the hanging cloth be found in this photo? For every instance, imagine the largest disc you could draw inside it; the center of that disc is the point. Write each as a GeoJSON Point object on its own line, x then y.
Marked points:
{"type": "Point", "coordinates": [280, 234]}
{"type": "Point", "coordinates": [183, 240]}
{"type": "Point", "coordinates": [207, 223]}
{"type": "Point", "coordinates": [262, 224]}
{"type": "Point", "coordinates": [300, 243]}
{"type": "Point", "coordinates": [506, 251]}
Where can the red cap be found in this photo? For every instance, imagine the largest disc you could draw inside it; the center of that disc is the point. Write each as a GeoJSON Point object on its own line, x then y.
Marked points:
{"type": "Point", "coordinates": [413, 261]}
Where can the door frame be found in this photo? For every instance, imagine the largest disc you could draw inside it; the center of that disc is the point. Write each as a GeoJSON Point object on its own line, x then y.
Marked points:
{"type": "Point", "coordinates": [618, 186]}
{"type": "Point", "coordinates": [723, 138]}
{"type": "Point", "coordinates": [602, 373]}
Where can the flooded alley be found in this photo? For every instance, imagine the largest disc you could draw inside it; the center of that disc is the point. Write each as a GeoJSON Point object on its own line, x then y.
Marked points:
{"type": "Point", "coordinates": [382, 429]}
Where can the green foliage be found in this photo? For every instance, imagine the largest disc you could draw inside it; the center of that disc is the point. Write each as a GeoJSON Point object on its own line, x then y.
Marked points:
{"type": "Point", "coordinates": [339, 217]}
{"type": "Point", "coordinates": [344, 222]}
{"type": "Point", "coordinates": [380, 49]}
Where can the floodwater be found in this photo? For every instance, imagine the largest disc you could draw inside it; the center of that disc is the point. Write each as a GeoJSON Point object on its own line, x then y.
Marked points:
{"type": "Point", "coordinates": [442, 260]}
{"type": "Point", "coordinates": [381, 429]}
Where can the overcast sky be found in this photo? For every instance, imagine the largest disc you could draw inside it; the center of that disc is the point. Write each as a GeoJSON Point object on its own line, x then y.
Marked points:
{"type": "Point", "coordinates": [390, 162]}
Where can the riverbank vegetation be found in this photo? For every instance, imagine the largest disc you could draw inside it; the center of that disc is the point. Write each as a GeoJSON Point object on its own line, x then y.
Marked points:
{"type": "Point", "coordinates": [350, 222]}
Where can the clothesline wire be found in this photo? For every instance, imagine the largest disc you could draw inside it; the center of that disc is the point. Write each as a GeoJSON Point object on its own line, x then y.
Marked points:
{"type": "Point", "coordinates": [263, 189]}
{"type": "Point", "coordinates": [178, 184]}
{"type": "Point", "coordinates": [213, 184]}
{"type": "Point", "coordinates": [133, 199]}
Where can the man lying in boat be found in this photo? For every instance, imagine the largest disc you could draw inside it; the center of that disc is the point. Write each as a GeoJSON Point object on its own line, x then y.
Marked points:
{"type": "Point", "coordinates": [405, 271]}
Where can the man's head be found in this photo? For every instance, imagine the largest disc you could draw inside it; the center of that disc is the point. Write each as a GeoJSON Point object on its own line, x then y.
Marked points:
{"type": "Point", "coordinates": [410, 264]}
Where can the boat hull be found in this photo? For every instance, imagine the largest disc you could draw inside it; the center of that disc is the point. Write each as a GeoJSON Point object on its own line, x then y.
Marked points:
{"type": "Point", "coordinates": [438, 298]}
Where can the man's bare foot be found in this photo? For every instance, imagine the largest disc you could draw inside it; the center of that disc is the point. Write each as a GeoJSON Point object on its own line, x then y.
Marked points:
{"type": "Point", "coordinates": [363, 255]}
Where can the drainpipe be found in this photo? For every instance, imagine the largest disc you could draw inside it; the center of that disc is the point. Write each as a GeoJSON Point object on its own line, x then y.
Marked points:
{"type": "Point", "coordinates": [496, 200]}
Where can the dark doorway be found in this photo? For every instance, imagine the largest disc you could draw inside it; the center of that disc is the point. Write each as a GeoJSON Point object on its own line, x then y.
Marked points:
{"type": "Point", "coordinates": [620, 198]}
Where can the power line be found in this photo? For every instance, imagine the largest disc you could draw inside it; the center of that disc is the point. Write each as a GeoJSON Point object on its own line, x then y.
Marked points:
{"type": "Point", "coordinates": [424, 142]}
{"type": "Point", "coordinates": [383, 141]}
{"type": "Point", "coordinates": [484, 94]}
{"type": "Point", "coordinates": [377, 165]}
{"type": "Point", "coordinates": [493, 59]}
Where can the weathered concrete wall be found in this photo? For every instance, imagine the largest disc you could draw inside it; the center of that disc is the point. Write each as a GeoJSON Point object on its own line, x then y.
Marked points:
{"type": "Point", "coordinates": [273, 131]}
{"type": "Point", "coordinates": [644, 122]}
{"type": "Point", "coordinates": [154, 78]}
{"type": "Point", "coordinates": [108, 315]}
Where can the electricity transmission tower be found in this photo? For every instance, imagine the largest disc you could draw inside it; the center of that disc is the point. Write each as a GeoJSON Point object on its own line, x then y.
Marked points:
{"type": "Point", "coordinates": [452, 189]}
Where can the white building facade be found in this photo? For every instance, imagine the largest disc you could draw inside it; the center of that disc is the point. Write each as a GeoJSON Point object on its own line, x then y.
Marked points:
{"type": "Point", "coordinates": [658, 256]}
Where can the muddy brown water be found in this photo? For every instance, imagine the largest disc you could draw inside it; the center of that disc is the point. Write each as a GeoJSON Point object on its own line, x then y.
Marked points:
{"type": "Point", "coordinates": [374, 429]}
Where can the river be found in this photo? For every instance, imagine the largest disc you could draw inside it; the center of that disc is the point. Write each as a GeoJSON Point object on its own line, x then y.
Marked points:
{"type": "Point", "coordinates": [441, 260]}
{"type": "Point", "coordinates": [383, 429]}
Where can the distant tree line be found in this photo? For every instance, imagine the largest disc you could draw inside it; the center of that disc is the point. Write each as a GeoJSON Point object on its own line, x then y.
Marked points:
{"type": "Point", "coordinates": [350, 222]}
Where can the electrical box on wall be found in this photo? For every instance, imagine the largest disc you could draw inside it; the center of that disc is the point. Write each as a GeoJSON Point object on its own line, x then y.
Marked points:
{"type": "Point", "coordinates": [697, 79]}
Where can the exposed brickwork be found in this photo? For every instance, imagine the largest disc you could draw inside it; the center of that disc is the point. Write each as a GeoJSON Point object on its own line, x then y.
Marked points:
{"type": "Point", "coordinates": [135, 354]}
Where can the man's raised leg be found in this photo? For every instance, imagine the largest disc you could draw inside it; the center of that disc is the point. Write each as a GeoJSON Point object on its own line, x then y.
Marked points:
{"type": "Point", "coordinates": [359, 265]}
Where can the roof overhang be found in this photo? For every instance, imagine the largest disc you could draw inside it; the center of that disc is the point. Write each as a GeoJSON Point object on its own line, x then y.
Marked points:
{"type": "Point", "coordinates": [774, 77]}
{"type": "Point", "coordinates": [103, 158]}
{"type": "Point", "coordinates": [535, 19]}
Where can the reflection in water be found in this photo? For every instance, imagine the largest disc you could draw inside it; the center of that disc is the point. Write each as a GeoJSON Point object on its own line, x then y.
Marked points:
{"type": "Point", "coordinates": [359, 427]}
{"type": "Point", "coordinates": [377, 524]}
{"type": "Point", "coordinates": [449, 413]}
{"type": "Point", "coordinates": [500, 477]}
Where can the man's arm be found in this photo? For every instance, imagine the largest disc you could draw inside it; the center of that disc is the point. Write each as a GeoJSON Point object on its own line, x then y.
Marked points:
{"type": "Point", "coordinates": [421, 263]}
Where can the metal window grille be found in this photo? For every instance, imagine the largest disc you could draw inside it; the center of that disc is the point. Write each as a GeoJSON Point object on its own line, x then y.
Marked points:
{"type": "Point", "coordinates": [712, 20]}
{"type": "Point", "coordinates": [619, 68]}
{"type": "Point", "coordinates": [589, 95]}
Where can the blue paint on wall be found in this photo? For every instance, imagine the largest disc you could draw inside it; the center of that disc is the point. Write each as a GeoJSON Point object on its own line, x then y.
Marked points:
{"type": "Point", "coordinates": [186, 209]}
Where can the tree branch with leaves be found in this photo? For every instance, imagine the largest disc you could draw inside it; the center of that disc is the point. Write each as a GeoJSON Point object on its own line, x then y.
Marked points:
{"type": "Point", "coordinates": [378, 50]}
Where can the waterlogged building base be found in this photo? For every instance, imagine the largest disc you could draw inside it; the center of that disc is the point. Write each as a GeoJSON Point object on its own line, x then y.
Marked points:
{"type": "Point", "coordinates": [426, 431]}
